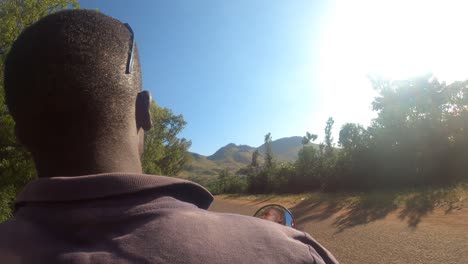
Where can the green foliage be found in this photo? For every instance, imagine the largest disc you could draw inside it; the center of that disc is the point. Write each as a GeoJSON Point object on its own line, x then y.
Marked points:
{"type": "Point", "coordinates": [7, 196]}
{"type": "Point", "coordinates": [254, 163]}
{"type": "Point", "coordinates": [16, 15]}
{"type": "Point", "coordinates": [165, 153]}
{"type": "Point", "coordinates": [227, 183]}
{"type": "Point", "coordinates": [308, 138]}
{"type": "Point", "coordinates": [328, 136]}
{"type": "Point", "coordinates": [282, 176]}
{"type": "Point", "coordinates": [262, 179]}
{"type": "Point", "coordinates": [269, 163]}
{"type": "Point", "coordinates": [419, 138]}
{"type": "Point", "coordinates": [307, 170]}
{"type": "Point", "coordinates": [16, 165]}
{"type": "Point", "coordinates": [353, 137]}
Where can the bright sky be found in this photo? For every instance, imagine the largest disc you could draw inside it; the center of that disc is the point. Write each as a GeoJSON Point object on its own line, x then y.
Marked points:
{"type": "Point", "coordinates": [237, 70]}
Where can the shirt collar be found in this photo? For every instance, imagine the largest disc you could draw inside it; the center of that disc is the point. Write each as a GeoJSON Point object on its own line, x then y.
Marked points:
{"type": "Point", "coordinates": [62, 189]}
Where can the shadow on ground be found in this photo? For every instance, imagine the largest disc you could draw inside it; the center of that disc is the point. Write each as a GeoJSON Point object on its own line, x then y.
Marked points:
{"type": "Point", "coordinates": [358, 209]}
{"type": "Point", "coordinates": [420, 205]}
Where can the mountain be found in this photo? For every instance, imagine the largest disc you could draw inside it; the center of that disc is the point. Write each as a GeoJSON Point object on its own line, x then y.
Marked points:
{"type": "Point", "coordinates": [235, 157]}
{"type": "Point", "coordinates": [231, 156]}
{"type": "Point", "coordinates": [284, 149]}
{"type": "Point", "coordinates": [233, 153]}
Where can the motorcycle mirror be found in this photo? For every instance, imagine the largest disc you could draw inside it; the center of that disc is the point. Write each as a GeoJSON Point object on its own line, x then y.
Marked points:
{"type": "Point", "coordinates": [276, 213]}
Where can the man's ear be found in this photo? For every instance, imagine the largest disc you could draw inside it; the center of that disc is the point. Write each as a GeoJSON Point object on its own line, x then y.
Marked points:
{"type": "Point", "coordinates": [142, 113]}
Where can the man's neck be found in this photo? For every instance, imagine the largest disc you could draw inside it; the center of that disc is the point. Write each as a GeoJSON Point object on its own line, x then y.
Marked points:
{"type": "Point", "coordinates": [75, 163]}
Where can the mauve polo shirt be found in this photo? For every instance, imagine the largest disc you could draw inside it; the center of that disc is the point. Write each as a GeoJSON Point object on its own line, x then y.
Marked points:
{"type": "Point", "coordinates": [135, 218]}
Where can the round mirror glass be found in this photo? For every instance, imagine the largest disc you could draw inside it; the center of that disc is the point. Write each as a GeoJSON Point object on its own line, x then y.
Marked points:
{"type": "Point", "coordinates": [276, 213]}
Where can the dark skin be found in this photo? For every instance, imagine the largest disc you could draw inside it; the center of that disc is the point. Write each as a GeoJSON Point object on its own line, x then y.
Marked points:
{"type": "Point", "coordinates": [119, 152]}
{"type": "Point", "coordinates": [74, 88]}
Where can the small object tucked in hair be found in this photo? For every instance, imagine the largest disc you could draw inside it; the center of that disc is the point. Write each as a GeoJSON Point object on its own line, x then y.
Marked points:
{"type": "Point", "coordinates": [130, 52]}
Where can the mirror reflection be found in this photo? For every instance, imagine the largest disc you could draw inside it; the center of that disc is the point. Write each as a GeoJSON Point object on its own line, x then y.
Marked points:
{"type": "Point", "coordinates": [276, 213]}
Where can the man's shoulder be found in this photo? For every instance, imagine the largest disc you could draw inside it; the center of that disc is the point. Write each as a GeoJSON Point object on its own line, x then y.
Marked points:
{"type": "Point", "coordinates": [10, 228]}
{"type": "Point", "coordinates": [14, 230]}
{"type": "Point", "coordinates": [15, 237]}
{"type": "Point", "coordinates": [242, 238]}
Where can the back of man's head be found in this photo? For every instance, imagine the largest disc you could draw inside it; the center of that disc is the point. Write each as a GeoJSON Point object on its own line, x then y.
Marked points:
{"type": "Point", "coordinates": [67, 83]}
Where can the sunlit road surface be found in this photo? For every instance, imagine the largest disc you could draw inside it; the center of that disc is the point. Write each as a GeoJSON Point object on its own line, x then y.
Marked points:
{"type": "Point", "coordinates": [438, 238]}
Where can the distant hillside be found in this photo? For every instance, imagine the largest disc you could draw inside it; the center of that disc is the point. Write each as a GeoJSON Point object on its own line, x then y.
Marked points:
{"type": "Point", "coordinates": [231, 156]}
{"type": "Point", "coordinates": [285, 149]}
{"type": "Point", "coordinates": [234, 157]}
{"type": "Point", "coordinates": [233, 153]}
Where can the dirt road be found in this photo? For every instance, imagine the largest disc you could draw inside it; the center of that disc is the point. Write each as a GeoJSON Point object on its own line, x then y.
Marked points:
{"type": "Point", "coordinates": [364, 236]}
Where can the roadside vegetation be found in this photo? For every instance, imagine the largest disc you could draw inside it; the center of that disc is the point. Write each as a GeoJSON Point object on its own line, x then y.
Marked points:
{"type": "Point", "coordinates": [419, 139]}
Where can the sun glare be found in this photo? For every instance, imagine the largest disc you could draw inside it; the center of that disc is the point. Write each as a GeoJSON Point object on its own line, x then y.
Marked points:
{"type": "Point", "coordinates": [395, 39]}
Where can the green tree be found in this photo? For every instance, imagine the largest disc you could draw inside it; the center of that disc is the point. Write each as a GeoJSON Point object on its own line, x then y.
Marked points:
{"type": "Point", "coordinates": [223, 178]}
{"type": "Point", "coordinates": [328, 136]}
{"type": "Point", "coordinates": [326, 168]}
{"type": "Point", "coordinates": [354, 164]}
{"type": "Point", "coordinates": [308, 138]}
{"type": "Point", "coordinates": [259, 181]}
{"type": "Point", "coordinates": [268, 152]}
{"type": "Point", "coordinates": [284, 174]}
{"type": "Point", "coordinates": [164, 152]}
{"type": "Point", "coordinates": [228, 183]}
{"type": "Point", "coordinates": [456, 116]}
{"type": "Point", "coordinates": [305, 176]}
{"type": "Point", "coordinates": [253, 167]}
{"type": "Point", "coordinates": [254, 163]}
{"type": "Point", "coordinates": [352, 136]}
{"type": "Point", "coordinates": [16, 165]}
{"type": "Point", "coordinates": [307, 170]}
{"type": "Point", "coordinates": [410, 132]}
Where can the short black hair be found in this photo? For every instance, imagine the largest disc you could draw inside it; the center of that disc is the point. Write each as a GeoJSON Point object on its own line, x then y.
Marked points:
{"type": "Point", "coordinates": [67, 72]}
